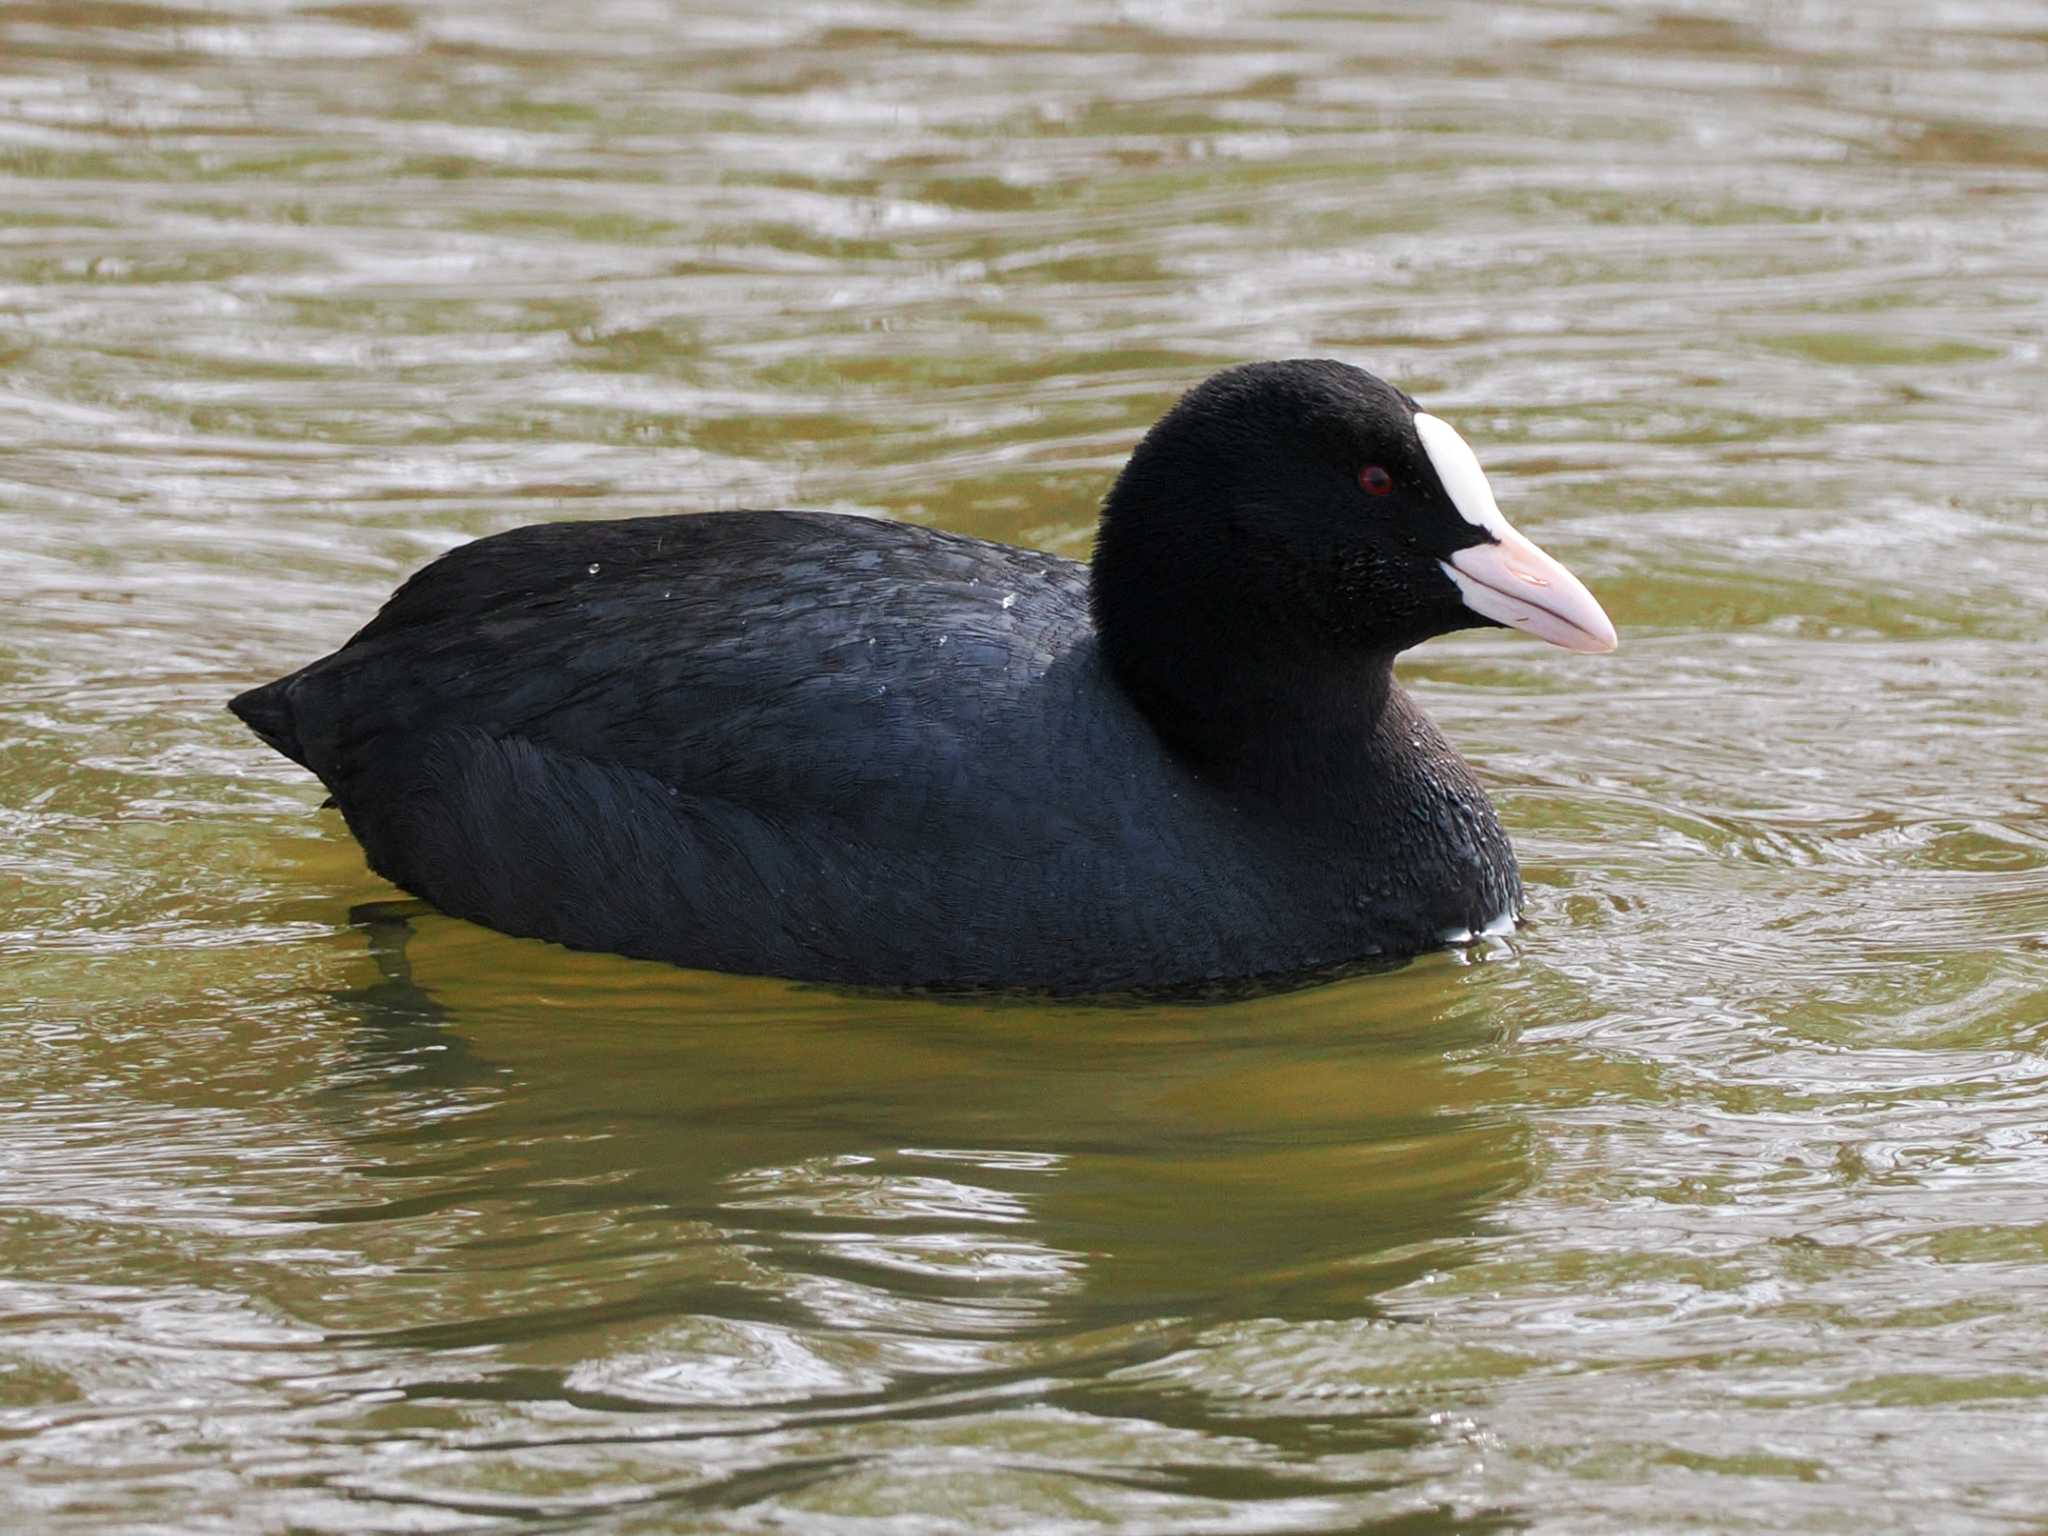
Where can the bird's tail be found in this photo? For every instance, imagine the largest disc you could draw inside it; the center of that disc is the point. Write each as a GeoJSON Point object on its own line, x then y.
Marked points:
{"type": "Point", "coordinates": [268, 712]}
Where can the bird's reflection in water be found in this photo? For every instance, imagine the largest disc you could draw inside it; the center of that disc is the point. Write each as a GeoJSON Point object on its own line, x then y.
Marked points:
{"type": "Point", "coordinates": [637, 1188]}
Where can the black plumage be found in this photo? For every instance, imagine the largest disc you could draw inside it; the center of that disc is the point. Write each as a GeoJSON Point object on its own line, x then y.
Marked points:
{"type": "Point", "coordinates": [864, 752]}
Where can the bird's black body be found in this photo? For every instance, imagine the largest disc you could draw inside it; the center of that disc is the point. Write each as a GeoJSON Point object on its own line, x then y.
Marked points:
{"type": "Point", "coordinates": [867, 753]}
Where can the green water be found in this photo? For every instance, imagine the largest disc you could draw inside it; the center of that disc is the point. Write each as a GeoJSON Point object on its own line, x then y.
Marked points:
{"type": "Point", "coordinates": [1714, 1200]}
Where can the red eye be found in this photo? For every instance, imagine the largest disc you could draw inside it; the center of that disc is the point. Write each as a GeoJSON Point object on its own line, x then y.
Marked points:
{"type": "Point", "coordinates": [1375, 481]}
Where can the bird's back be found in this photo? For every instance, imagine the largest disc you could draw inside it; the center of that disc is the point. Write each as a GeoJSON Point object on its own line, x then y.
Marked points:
{"type": "Point", "coordinates": [791, 743]}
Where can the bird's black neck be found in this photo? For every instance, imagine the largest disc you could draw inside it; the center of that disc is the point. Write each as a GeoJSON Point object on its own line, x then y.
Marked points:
{"type": "Point", "coordinates": [1297, 730]}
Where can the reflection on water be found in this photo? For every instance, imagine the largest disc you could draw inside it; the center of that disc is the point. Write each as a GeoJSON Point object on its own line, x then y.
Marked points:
{"type": "Point", "coordinates": [578, 1220]}
{"type": "Point", "coordinates": [1717, 1190]}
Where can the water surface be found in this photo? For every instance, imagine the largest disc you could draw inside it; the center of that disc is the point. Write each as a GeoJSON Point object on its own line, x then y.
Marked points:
{"type": "Point", "coordinates": [1716, 1199]}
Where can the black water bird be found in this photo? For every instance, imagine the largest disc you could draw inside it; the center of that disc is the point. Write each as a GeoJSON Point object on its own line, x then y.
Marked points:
{"type": "Point", "coordinates": [867, 753]}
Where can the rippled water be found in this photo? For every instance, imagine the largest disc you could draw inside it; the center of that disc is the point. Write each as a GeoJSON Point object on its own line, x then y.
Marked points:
{"type": "Point", "coordinates": [1717, 1199]}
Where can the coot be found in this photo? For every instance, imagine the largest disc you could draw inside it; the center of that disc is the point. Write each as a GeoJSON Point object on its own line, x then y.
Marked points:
{"type": "Point", "coordinates": [861, 752]}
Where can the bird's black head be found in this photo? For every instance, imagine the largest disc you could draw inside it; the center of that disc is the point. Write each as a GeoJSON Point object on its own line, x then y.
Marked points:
{"type": "Point", "coordinates": [1299, 520]}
